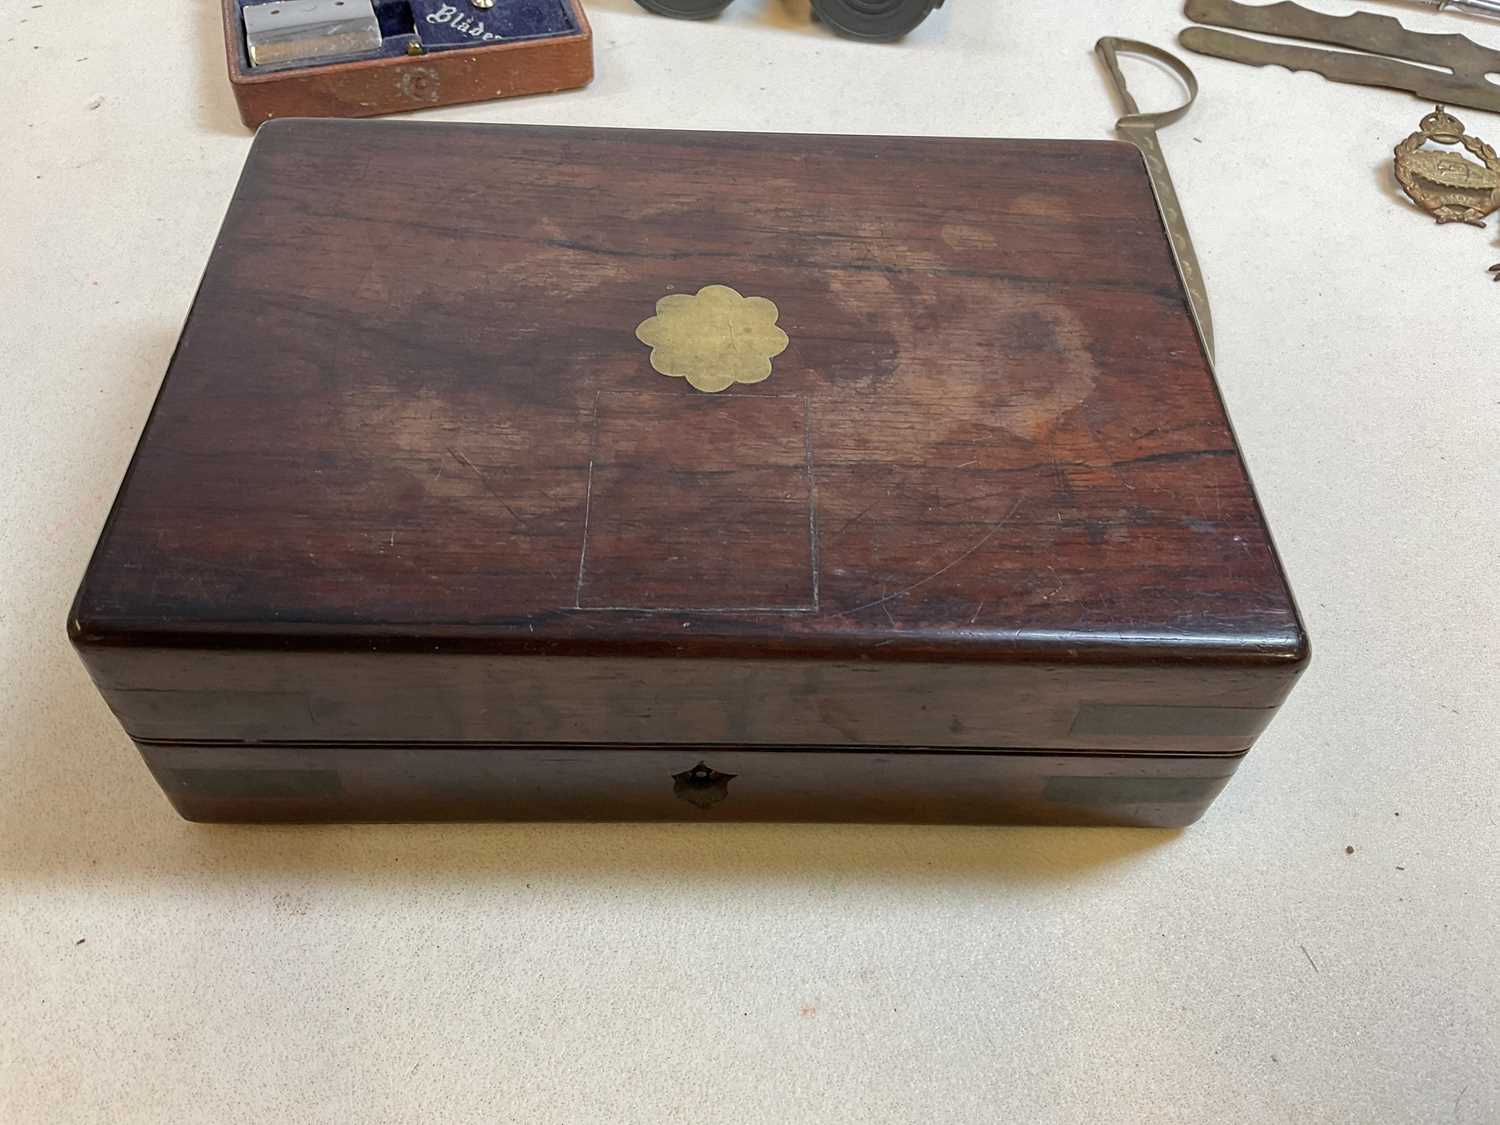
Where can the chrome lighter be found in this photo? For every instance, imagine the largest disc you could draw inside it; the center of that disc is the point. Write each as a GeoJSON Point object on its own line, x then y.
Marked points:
{"type": "Point", "coordinates": [291, 32]}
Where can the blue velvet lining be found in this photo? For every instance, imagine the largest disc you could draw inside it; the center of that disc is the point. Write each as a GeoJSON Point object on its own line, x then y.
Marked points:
{"type": "Point", "coordinates": [445, 25]}
{"type": "Point", "coordinates": [457, 23]}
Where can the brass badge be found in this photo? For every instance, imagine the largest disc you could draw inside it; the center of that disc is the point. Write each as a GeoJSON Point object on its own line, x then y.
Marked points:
{"type": "Point", "coordinates": [714, 338]}
{"type": "Point", "coordinates": [1443, 183]}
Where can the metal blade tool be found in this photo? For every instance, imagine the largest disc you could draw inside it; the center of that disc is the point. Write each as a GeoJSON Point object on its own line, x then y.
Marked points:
{"type": "Point", "coordinates": [1140, 130]}
{"type": "Point", "coordinates": [1382, 51]}
{"type": "Point", "coordinates": [1488, 8]}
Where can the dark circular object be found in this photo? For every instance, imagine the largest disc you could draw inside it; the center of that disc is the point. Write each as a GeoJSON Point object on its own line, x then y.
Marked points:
{"type": "Point", "coordinates": [874, 19]}
{"type": "Point", "coordinates": [685, 9]}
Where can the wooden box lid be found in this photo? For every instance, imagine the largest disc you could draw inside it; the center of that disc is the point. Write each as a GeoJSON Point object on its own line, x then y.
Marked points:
{"type": "Point", "coordinates": [410, 411]}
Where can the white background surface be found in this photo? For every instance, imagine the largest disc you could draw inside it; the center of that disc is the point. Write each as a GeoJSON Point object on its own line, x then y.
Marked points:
{"type": "Point", "coordinates": [1246, 970]}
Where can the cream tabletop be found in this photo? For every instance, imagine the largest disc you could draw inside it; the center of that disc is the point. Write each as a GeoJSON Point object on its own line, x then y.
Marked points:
{"type": "Point", "coordinates": [1323, 947]}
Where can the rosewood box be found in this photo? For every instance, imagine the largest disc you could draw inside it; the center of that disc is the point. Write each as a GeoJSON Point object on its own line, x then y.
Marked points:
{"type": "Point", "coordinates": [540, 473]}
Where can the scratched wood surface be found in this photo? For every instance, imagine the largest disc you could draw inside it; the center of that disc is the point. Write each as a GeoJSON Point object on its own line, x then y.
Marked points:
{"type": "Point", "coordinates": [409, 413]}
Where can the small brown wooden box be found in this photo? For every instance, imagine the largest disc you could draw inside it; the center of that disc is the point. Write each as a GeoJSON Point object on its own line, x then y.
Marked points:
{"type": "Point", "coordinates": [371, 87]}
{"type": "Point", "coordinates": [415, 530]}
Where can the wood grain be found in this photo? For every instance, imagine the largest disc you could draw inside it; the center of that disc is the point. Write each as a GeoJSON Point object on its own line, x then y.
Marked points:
{"type": "Point", "coordinates": [290, 783]}
{"type": "Point", "coordinates": [411, 474]}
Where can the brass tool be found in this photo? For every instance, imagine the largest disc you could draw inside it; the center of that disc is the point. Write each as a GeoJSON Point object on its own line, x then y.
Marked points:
{"type": "Point", "coordinates": [1140, 130]}
{"type": "Point", "coordinates": [1384, 41]}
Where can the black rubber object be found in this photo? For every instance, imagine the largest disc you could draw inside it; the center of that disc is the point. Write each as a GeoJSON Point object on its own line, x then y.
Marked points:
{"type": "Point", "coordinates": [873, 19]}
{"type": "Point", "coordinates": [685, 9]}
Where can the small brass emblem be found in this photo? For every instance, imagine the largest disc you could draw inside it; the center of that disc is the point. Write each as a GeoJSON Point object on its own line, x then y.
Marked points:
{"type": "Point", "coordinates": [714, 338]}
{"type": "Point", "coordinates": [1442, 182]}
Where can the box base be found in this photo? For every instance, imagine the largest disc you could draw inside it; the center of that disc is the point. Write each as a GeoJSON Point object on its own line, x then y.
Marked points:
{"type": "Point", "coordinates": [372, 782]}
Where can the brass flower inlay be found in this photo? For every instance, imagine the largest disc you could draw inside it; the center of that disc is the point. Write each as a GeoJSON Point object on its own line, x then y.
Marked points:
{"type": "Point", "coordinates": [714, 338]}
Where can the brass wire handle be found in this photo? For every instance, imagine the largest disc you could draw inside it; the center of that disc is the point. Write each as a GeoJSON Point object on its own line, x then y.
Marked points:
{"type": "Point", "coordinates": [1140, 130]}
